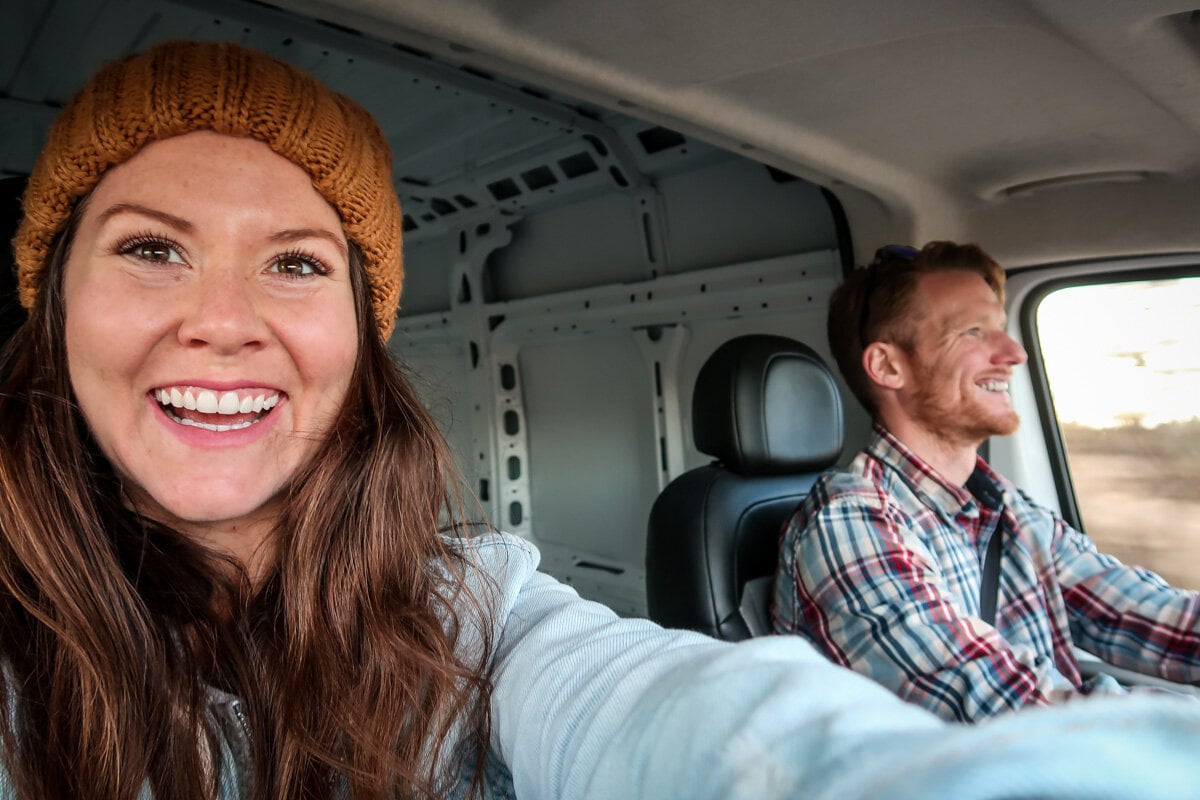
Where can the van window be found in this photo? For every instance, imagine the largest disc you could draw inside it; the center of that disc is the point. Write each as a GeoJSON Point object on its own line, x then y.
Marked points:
{"type": "Point", "coordinates": [1122, 361]}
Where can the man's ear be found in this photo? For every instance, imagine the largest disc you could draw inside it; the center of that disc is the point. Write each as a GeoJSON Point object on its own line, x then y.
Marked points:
{"type": "Point", "coordinates": [885, 365]}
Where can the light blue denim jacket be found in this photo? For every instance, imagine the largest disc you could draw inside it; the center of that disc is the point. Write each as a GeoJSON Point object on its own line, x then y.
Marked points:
{"type": "Point", "coordinates": [590, 705]}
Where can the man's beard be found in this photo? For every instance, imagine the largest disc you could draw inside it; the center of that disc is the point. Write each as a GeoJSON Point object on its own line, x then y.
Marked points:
{"type": "Point", "coordinates": [956, 420]}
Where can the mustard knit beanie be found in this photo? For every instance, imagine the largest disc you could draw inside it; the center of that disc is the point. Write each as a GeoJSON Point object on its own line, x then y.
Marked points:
{"type": "Point", "coordinates": [180, 87]}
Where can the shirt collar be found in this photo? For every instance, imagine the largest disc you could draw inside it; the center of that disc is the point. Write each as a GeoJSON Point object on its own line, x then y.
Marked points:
{"type": "Point", "coordinates": [885, 447]}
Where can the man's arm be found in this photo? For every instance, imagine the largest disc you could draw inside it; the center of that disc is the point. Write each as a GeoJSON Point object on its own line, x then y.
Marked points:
{"type": "Point", "coordinates": [1128, 616]}
{"type": "Point", "coordinates": [875, 600]}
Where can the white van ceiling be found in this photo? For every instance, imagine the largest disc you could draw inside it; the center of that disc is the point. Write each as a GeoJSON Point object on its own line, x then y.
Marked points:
{"type": "Point", "coordinates": [1046, 129]}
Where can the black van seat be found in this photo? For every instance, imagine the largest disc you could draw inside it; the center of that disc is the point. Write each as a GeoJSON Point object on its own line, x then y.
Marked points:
{"type": "Point", "coordinates": [768, 409]}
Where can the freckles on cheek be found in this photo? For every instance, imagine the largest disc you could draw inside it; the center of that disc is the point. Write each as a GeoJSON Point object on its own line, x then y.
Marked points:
{"type": "Point", "coordinates": [96, 356]}
{"type": "Point", "coordinates": [341, 365]}
{"type": "Point", "coordinates": [102, 364]}
{"type": "Point", "coordinates": [80, 363]}
{"type": "Point", "coordinates": [324, 348]}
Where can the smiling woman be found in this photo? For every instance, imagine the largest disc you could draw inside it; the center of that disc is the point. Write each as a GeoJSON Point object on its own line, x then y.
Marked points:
{"type": "Point", "coordinates": [194, 298]}
{"type": "Point", "coordinates": [234, 562]}
{"type": "Point", "coordinates": [237, 274]}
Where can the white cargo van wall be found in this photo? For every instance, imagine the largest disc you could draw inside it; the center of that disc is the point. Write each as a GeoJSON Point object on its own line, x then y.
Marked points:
{"type": "Point", "coordinates": [562, 359]}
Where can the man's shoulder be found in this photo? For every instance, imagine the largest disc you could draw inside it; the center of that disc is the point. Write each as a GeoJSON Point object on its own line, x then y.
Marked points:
{"type": "Point", "coordinates": [865, 480]}
{"type": "Point", "coordinates": [843, 491]}
{"type": "Point", "coordinates": [847, 484]}
{"type": "Point", "coordinates": [846, 500]}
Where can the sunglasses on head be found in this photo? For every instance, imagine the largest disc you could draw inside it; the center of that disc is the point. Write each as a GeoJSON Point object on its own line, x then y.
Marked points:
{"type": "Point", "coordinates": [885, 254]}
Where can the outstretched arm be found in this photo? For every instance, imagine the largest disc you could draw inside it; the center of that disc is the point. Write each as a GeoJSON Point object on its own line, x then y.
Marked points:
{"type": "Point", "coordinates": [590, 705]}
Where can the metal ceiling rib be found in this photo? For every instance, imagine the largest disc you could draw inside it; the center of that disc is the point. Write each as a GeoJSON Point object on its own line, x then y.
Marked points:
{"type": "Point", "coordinates": [920, 116]}
{"type": "Point", "coordinates": [422, 67]}
{"type": "Point", "coordinates": [461, 137]}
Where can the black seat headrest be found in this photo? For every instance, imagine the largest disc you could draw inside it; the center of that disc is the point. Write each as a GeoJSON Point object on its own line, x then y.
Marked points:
{"type": "Point", "coordinates": [767, 405]}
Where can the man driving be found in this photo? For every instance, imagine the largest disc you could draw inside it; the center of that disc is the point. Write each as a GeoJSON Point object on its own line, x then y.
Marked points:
{"type": "Point", "coordinates": [886, 568]}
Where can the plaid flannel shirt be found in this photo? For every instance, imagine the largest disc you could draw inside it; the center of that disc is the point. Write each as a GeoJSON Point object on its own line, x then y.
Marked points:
{"type": "Point", "coordinates": [881, 565]}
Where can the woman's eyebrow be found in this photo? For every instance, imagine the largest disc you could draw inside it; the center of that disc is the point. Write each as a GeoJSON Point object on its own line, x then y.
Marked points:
{"type": "Point", "coordinates": [133, 208]}
{"type": "Point", "coordinates": [296, 234]}
{"type": "Point", "coordinates": [289, 235]}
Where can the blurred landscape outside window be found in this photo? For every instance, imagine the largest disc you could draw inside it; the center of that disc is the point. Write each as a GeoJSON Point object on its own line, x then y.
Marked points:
{"type": "Point", "coordinates": [1123, 364]}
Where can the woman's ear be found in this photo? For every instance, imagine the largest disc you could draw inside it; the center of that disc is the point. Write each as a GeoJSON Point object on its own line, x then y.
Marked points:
{"type": "Point", "coordinates": [885, 365]}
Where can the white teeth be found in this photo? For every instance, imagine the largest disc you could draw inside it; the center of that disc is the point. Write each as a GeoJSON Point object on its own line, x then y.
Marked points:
{"type": "Point", "coordinates": [218, 428]}
{"type": "Point", "coordinates": [995, 386]}
{"type": "Point", "coordinates": [208, 401]}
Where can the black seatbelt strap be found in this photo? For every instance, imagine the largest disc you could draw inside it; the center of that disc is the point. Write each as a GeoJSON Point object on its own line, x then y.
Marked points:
{"type": "Point", "coordinates": [988, 494]}
{"type": "Point", "coordinates": [989, 584]}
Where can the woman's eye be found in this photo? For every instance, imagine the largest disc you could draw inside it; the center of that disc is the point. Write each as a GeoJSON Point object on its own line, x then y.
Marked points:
{"type": "Point", "coordinates": [297, 267]}
{"type": "Point", "coordinates": [153, 250]}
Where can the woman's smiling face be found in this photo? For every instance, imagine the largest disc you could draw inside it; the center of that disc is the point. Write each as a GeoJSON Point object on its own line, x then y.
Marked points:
{"type": "Point", "coordinates": [210, 328]}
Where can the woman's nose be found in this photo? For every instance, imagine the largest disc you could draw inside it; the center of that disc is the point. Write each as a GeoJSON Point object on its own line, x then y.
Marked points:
{"type": "Point", "coordinates": [222, 313]}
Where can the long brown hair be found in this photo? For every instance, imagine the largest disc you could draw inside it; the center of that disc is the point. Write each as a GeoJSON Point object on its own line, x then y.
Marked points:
{"type": "Point", "coordinates": [347, 657]}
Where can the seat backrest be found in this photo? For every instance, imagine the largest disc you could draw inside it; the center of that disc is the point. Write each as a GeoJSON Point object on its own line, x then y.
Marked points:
{"type": "Point", "coordinates": [768, 409]}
